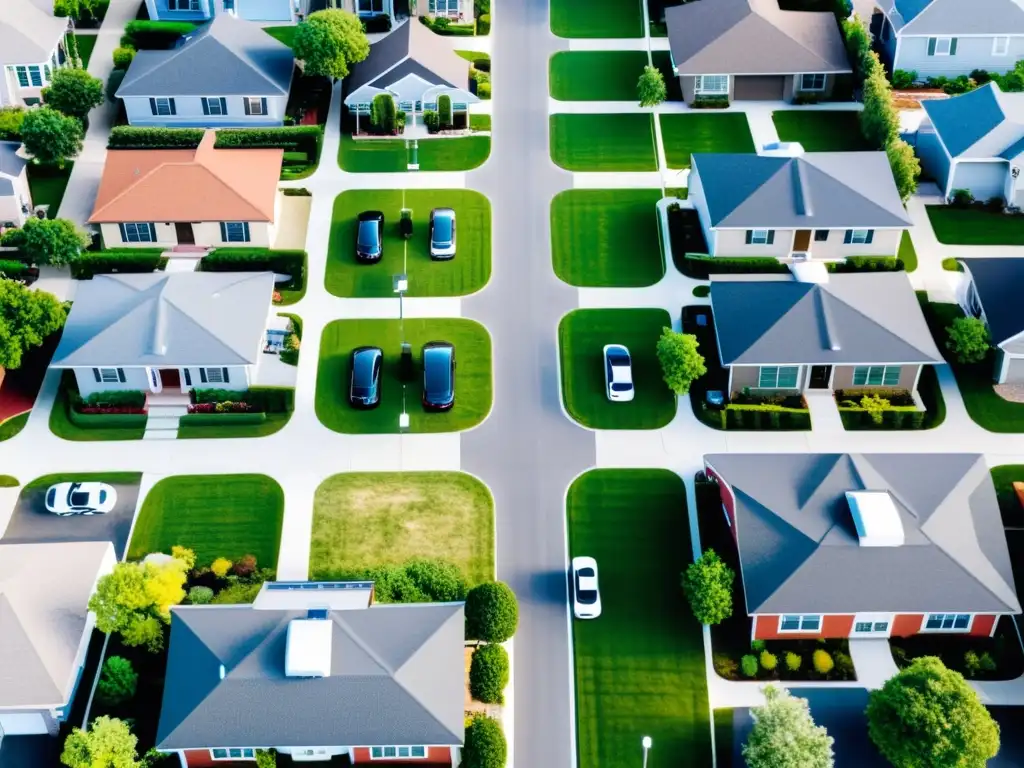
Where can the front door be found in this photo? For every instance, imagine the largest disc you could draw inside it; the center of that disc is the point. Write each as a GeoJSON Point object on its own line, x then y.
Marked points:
{"type": "Point", "coordinates": [871, 625]}
{"type": "Point", "coordinates": [170, 378]}
{"type": "Point", "coordinates": [820, 376]}
{"type": "Point", "coordinates": [183, 232]}
{"type": "Point", "coordinates": [802, 241]}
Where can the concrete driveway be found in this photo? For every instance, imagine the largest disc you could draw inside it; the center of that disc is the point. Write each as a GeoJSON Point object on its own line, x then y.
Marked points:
{"type": "Point", "coordinates": [31, 523]}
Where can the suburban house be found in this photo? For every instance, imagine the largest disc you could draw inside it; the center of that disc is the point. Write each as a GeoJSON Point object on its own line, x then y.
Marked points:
{"type": "Point", "coordinates": [165, 331]}
{"type": "Point", "coordinates": [31, 48]}
{"type": "Point", "coordinates": [992, 292]}
{"type": "Point", "coordinates": [45, 627]}
{"type": "Point", "coordinates": [975, 141]}
{"type": "Point", "coordinates": [818, 205]}
{"type": "Point", "coordinates": [228, 73]}
{"type": "Point", "coordinates": [949, 37]}
{"type": "Point", "coordinates": [202, 10]}
{"type": "Point", "coordinates": [315, 670]}
{"type": "Point", "coordinates": [780, 333]}
{"type": "Point", "coordinates": [15, 196]}
{"type": "Point", "coordinates": [189, 197]}
{"type": "Point", "coordinates": [415, 66]}
{"type": "Point", "coordinates": [749, 49]}
{"type": "Point", "coordinates": [866, 545]}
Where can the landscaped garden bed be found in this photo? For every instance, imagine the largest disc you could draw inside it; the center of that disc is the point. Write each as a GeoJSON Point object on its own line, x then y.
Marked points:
{"type": "Point", "coordinates": [467, 273]}
{"type": "Point", "coordinates": [473, 383]}
{"type": "Point", "coordinates": [688, 133]}
{"type": "Point", "coordinates": [582, 335]}
{"type": "Point", "coordinates": [821, 130]}
{"type": "Point", "coordinates": [975, 225]}
{"type": "Point", "coordinates": [976, 658]}
{"type": "Point", "coordinates": [253, 412]}
{"type": "Point", "coordinates": [893, 409]}
{"type": "Point", "coordinates": [734, 655]}
{"type": "Point", "coordinates": [640, 666]}
{"type": "Point", "coordinates": [68, 423]}
{"type": "Point", "coordinates": [596, 19]}
{"type": "Point", "coordinates": [607, 237]}
{"type": "Point", "coordinates": [603, 142]}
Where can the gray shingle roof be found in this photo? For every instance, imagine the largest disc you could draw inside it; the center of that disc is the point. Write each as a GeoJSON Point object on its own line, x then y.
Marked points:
{"type": "Point", "coordinates": [1000, 284]}
{"type": "Point", "coordinates": [176, 318]}
{"type": "Point", "coordinates": [799, 548]}
{"type": "Point", "coordinates": [752, 37]}
{"type": "Point", "coordinates": [857, 318]}
{"type": "Point", "coordinates": [817, 190]}
{"type": "Point", "coordinates": [11, 163]}
{"type": "Point", "coordinates": [955, 17]}
{"type": "Point", "coordinates": [397, 677]}
{"type": "Point", "coordinates": [28, 35]}
{"type": "Point", "coordinates": [982, 123]}
{"type": "Point", "coordinates": [437, 61]}
{"type": "Point", "coordinates": [227, 57]}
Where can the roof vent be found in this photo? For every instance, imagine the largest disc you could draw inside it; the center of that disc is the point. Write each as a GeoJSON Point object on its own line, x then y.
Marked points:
{"type": "Point", "coordinates": [222, 671]}
{"type": "Point", "coordinates": [308, 648]}
{"type": "Point", "coordinates": [876, 518]}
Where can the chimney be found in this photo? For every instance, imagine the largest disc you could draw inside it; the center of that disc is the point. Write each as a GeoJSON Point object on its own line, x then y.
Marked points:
{"type": "Point", "coordinates": [308, 648]}
{"type": "Point", "coordinates": [876, 518]}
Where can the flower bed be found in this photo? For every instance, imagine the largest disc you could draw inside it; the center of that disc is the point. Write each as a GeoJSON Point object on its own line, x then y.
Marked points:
{"type": "Point", "coordinates": [227, 406]}
{"type": "Point", "coordinates": [976, 658]}
{"type": "Point", "coordinates": [896, 409]}
{"type": "Point", "coordinates": [252, 400]}
{"type": "Point", "coordinates": [108, 403]}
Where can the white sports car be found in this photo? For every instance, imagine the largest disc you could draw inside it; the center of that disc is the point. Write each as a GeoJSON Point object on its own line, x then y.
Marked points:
{"type": "Point", "coordinates": [618, 373]}
{"type": "Point", "coordinates": [67, 499]}
{"type": "Point", "coordinates": [586, 597]}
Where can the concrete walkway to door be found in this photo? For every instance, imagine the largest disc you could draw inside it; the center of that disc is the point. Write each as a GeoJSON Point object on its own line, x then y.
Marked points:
{"type": "Point", "coordinates": [824, 413]}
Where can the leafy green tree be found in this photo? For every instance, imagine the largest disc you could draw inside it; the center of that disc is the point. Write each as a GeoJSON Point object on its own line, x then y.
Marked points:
{"type": "Point", "coordinates": [11, 119]}
{"type": "Point", "coordinates": [906, 168]}
{"type": "Point", "coordinates": [485, 745]}
{"type": "Point", "coordinates": [928, 716]}
{"type": "Point", "coordinates": [382, 113]}
{"type": "Point", "coordinates": [785, 736]}
{"type": "Point", "coordinates": [266, 758]}
{"type": "Point", "coordinates": [968, 339]}
{"type": "Point", "coordinates": [879, 121]}
{"type": "Point", "coordinates": [489, 674]}
{"type": "Point", "coordinates": [681, 363]}
{"type": "Point", "coordinates": [27, 318]}
{"type": "Point", "coordinates": [492, 613]}
{"type": "Point", "coordinates": [651, 87]}
{"type": "Point", "coordinates": [123, 56]}
{"type": "Point", "coordinates": [51, 137]}
{"type": "Point", "coordinates": [858, 46]}
{"type": "Point", "coordinates": [48, 241]}
{"type": "Point", "coordinates": [707, 584]}
{"type": "Point", "coordinates": [329, 42]}
{"type": "Point", "coordinates": [73, 92]}
{"type": "Point", "coordinates": [107, 744]}
{"type": "Point", "coordinates": [118, 681]}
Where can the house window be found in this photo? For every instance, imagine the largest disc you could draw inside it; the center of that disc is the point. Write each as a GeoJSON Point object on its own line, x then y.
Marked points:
{"type": "Point", "coordinates": [859, 236]}
{"type": "Point", "coordinates": [947, 622]}
{"type": "Point", "coordinates": [876, 375]}
{"type": "Point", "coordinates": [371, 6]}
{"type": "Point", "coordinates": [233, 753]}
{"type": "Point", "coordinates": [214, 376]}
{"type": "Point", "coordinates": [214, 105]}
{"type": "Point", "coordinates": [778, 376]}
{"type": "Point", "coordinates": [444, 7]}
{"type": "Point", "coordinates": [1000, 46]}
{"type": "Point", "coordinates": [138, 232]}
{"type": "Point", "coordinates": [799, 623]}
{"type": "Point", "coordinates": [27, 76]}
{"type": "Point", "coordinates": [820, 235]}
{"type": "Point", "coordinates": [255, 105]}
{"type": "Point", "coordinates": [234, 231]}
{"type": "Point", "coordinates": [815, 82]}
{"type": "Point", "coordinates": [942, 46]}
{"type": "Point", "coordinates": [711, 85]}
{"type": "Point", "coordinates": [760, 236]}
{"type": "Point", "coordinates": [162, 106]}
{"type": "Point", "coordinates": [397, 753]}
{"type": "Point", "coordinates": [183, 5]}
{"type": "Point", "coordinates": [109, 375]}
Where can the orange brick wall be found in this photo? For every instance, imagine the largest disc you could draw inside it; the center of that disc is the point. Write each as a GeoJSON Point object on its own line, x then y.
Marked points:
{"type": "Point", "coordinates": [767, 628]}
{"type": "Point", "coordinates": [982, 625]}
{"type": "Point", "coordinates": [435, 756]}
{"type": "Point", "coordinates": [200, 758]}
{"type": "Point", "coordinates": [906, 624]}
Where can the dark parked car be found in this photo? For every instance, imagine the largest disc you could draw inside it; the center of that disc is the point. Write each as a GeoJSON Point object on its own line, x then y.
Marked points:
{"type": "Point", "coordinates": [370, 237]}
{"type": "Point", "coordinates": [442, 234]}
{"type": "Point", "coordinates": [364, 381]}
{"type": "Point", "coordinates": [438, 376]}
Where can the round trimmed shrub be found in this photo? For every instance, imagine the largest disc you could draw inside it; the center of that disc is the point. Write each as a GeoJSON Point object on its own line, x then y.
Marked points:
{"type": "Point", "coordinates": [844, 665]}
{"type": "Point", "coordinates": [748, 665]}
{"type": "Point", "coordinates": [793, 661]}
{"type": "Point", "coordinates": [200, 595]}
{"type": "Point", "coordinates": [485, 745]}
{"type": "Point", "coordinates": [492, 613]}
{"type": "Point", "coordinates": [483, 90]}
{"type": "Point", "coordinates": [489, 674]}
{"type": "Point", "coordinates": [769, 660]}
{"type": "Point", "coordinates": [123, 56]}
{"type": "Point", "coordinates": [700, 291]}
{"type": "Point", "coordinates": [118, 681]}
{"type": "Point", "coordinates": [822, 662]}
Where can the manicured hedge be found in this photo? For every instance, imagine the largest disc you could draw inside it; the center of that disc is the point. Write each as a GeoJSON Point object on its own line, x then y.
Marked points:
{"type": "Point", "coordinates": [293, 138]}
{"type": "Point", "coordinates": [159, 35]}
{"type": "Point", "coordinates": [106, 420]}
{"type": "Point", "coordinates": [12, 269]}
{"type": "Point", "coordinates": [867, 264]}
{"type": "Point", "coordinates": [700, 266]}
{"type": "Point", "coordinates": [122, 261]}
{"type": "Point", "coordinates": [221, 419]}
{"type": "Point", "coordinates": [132, 137]}
{"type": "Point", "coordinates": [896, 417]}
{"type": "Point", "coordinates": [756, 417]}
{"type": "Point", "coordinates": [255, 260]}
{"type": "Point", "coordinates": [262, 399]}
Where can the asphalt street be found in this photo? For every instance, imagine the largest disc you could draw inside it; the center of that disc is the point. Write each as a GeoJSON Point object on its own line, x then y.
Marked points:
{"type": "Point", "coordinates": [528, 451]}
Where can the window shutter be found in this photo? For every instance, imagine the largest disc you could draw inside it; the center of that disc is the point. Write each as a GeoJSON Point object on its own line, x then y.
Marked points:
{"type": "Point", "coordinates": [931, 46]}
{"type": "Point", "coordinates": [871, 236]}
{"type": "Point", "coordinates": [152, 106]}
{"type": "Point", "coordinates": [188, 377]}
{"type": "Point", "coordinates": [750, 236]}
{"type": "Point", "coordinates": [223, 105]}
{"type": "Point", "coordinates": [96, 374]}
{"type": "Point", "coordinates": [120, 375]}
{"type": "Point", "coordinates": [245, 103]}
{"type": "Point", "coordinates": [124, 233]}
{"type": "Point", "coordinates": [245, 231]}
{"type": "Point", "coordinates": [225, 373]}
{"type": "Point", "coordinates": [223, 232]}
{"type": "Point", "coordinates": [771, 236]}
{"type": "Point", "coordinates": [173, 110]}
{"type": "Point", "coordinates": [848, 237]}
{"type": "Point", "coordinates": [952, 47]}
{"type": "Point", "coordinates": [263, 103]}
{"type": "Point", "coordinates": [202, 375]}
{"type": "Point", "coordinates": [206, 105]}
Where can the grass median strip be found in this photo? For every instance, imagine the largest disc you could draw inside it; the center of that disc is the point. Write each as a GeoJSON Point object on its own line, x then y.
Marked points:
{"type": "Point", "coordinates": [461, 153]}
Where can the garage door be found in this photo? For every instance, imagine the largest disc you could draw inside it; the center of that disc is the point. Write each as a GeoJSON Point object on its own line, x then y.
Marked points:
{"type": "Point", "coordinates": [1015, 373]}
{"type": "Point", "coordinates": [22, 724]}
{"type": "Point", "coordinates": [759, 88]}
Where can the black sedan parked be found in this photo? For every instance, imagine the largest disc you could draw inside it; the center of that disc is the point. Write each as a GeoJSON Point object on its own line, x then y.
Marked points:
{"type": "Point", "coordinates": [364, 381]}
{"type": "Point", "coordinates": [370, 237]}
{"type": "Point", "coordinates": [438, 376]}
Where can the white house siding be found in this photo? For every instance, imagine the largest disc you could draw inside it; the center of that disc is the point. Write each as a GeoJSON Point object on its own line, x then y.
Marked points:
{"type": "Point", "coordinates": [12, 92]}
{"type": "Point", "coordinates": [934, 159]}
{"type": "Point", "coordinates": [748, 377]}
{"type": "Point", "coordinates": [206, 233]}
{"type": "Point", "coordinates": [238, 379]}
{"type": "Point", "coordinates": [971, 53]}
{"type": "Point", "coordinates": [134, 379]}
{"type": "Point", "coordinates": [842, 378]}
{"type": "Point", "coordinates": [264, 10]}
{"type": "Point", "coordinates": [23, 723]}
{"type": "Point", "coordinates": [733, 242]}
{"type": "Point", "coordinates": [158, 11]}
{"type": "Point", "coordinates": [700, 204]}
{"type": "Point", "coordinates": [984, 179]}
{"type": "Point", "coordinates": [884, 242]}
{"type": "Point", "coordinates": [11, 205]}
{"type": "Point", "coordinates": [190, 113]}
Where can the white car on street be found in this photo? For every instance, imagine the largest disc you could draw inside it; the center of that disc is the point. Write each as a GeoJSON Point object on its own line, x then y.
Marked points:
{"type": "Point", "coordinates": [618, 373]}
{"type": "Point", "coordinates": [67, 499]}
{"type": "Point", "coordinates": [586, 596]}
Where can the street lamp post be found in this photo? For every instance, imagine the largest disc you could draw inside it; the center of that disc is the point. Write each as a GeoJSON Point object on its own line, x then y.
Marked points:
{"type": "Point", "coordinates": [646, 742]}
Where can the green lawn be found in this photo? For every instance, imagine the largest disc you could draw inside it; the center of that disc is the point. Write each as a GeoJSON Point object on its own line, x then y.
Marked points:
{"type": "Point", "coordinates": [640, 666]}
{"type": "Point", "coordinates": [468, 272]}
{"type": "Point", "coordinates": [685, 134]}
{"type": "Point", "coordinates": [215, 515]}
{"type": "Point", "coordinates": [365, 519]}
{"type": "Point", "coordinates": [47, 184]}
{"type": "Point", "coordinates": [62, 427]}
{"type": "Point", "coordinates": [973, 226]}
{"type": "Point", "coordinates": [461, 153]}
{"type": "Point", "coordinates": [907, 252]}
{"type": "Point", "coordinates": [582, 335]}
{"type": "Point", "coordinates": [605, 75]}
{"type": "Point", "coordinates": [821, 131]}
{"type": "Point", "coordinates": [273, 423]}
{"type": "Point", "coordinates": [603, 142]}
{"type": "Point", "coordinates": [474, 55]}
{"type": "Point", "coordinates": [472, 376]}
{"type": "Point", "coordinates": [596, 18]}
{"type": "Point", "coordinates": [285, 34]}
{"type": "Point", "coordinates": [85, 45]}
{"type": "Point", "coordinates": [12, 426]}
{"type": "Point", "coordinates": [607, 237]}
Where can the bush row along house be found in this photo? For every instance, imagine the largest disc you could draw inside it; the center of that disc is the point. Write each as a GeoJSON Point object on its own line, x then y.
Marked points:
{"type": "Point", "coordinates": [295, 10]}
